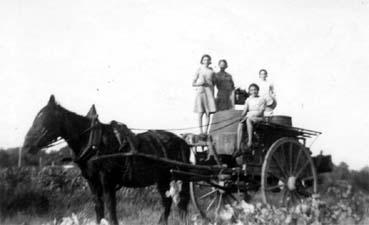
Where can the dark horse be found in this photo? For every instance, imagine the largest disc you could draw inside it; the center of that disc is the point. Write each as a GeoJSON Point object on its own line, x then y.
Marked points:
{"type": "Point", "coordinates": [106, 176]}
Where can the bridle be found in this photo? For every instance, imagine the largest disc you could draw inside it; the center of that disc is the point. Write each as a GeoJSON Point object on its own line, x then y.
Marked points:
{"type": "Point", "coordinates": [59, 140]}
{"type": "Point", "coordinates": [87, 151]}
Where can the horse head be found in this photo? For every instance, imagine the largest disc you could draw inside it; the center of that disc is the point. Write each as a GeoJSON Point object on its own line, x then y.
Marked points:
{"type": "Point", "coordinates": [45, 128]}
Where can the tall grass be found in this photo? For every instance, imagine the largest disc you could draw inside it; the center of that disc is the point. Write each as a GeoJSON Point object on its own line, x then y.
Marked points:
{"type": "Point", "coordinates": [47, 195]}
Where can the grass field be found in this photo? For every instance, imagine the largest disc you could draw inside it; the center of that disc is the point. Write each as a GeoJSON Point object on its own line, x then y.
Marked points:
{"type": "Point", "coordinates": [53, 197]}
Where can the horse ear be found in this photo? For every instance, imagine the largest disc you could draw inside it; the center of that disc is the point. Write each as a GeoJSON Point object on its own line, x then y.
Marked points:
{"type": "Point", "coordinates": [51, 100]}
{"type": "Point", "coordinates": [92, 112]}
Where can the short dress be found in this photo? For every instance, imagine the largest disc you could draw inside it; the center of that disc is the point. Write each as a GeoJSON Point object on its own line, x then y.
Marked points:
{"type": "Point", "coordinates": [224, 83]}
{"type": "Point", "coordinates": [205, 101]}
{"type": "Point", "coordinates": [255, 105]}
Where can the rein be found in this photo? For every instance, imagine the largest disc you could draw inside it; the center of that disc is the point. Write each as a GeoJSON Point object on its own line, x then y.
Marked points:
{"type": "Point", "coordinates": [60, 140]}
{"type": "Point", "coordinates": [183, 128]}
{"type": "Point", "coordinates": [91, 147]}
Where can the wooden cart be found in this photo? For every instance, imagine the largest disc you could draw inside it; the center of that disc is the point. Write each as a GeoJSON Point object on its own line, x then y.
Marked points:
{"type": "Point", "coordinates": [279, 168]}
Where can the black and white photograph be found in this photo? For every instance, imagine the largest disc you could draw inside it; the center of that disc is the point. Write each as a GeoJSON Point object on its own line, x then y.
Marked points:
{"type": "Point", "coordinates": [169, 112]}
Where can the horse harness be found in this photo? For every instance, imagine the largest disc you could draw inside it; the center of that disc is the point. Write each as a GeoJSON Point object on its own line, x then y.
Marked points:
{"type": "Point", "coordinates": [121, 133]}
{"type": "Point", "coordinates": [94, 139]}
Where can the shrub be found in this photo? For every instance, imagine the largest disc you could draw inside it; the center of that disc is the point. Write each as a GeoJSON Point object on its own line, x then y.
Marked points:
{"type": "Point", "coordinates": [360, 180]}
{"type": "Point", "coordinates": [50, 190]}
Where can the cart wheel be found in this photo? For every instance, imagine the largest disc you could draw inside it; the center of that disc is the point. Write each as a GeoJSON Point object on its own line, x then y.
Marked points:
{"type": "Point", "coordinates": [210, 200]}
{"type": "Point", "coordinates": [288, 174]}
{"type": "Point", "coordinates": [210, 197]}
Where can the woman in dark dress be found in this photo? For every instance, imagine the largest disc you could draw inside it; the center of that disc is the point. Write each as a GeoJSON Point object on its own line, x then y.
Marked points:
{"type": "Point", "coordinates": [225, 86]}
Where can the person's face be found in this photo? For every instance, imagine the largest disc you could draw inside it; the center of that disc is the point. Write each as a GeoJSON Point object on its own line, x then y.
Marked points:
{"type": "Point", "coordinates": [253, 91]}
{"type": "Point", "coordinates": [222, 65]}
{"type": "Point", "coordinates": [206, 61]}
{"type": "Point", "coordinates": [263, 75]}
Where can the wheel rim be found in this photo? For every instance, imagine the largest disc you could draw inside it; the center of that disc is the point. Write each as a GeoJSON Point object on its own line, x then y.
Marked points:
{"type": "Point", "coordinates": [207, 199]}
{"type": "Point", "coordinates": [288, 174]}
{"type": "Point", "coordinates": [210, 200]}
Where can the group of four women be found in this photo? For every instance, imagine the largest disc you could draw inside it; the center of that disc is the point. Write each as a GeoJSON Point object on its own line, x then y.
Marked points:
{"type": "Point", "coordinates": [260, 103]}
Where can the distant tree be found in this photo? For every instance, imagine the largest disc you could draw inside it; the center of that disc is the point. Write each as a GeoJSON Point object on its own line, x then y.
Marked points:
{"type": "Point", "coordinates": [342, 171]}
{"type": "Point", "coordinates": [360, 179]}
{"type": "Point", "coordinates": [4, 159]}
{"type": "Point", "coordinates": [9, 157]}
{"type": "Point", "coordinates": [365, 169]}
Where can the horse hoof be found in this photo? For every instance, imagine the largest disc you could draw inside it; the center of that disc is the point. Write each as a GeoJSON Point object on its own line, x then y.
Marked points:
{"type": "Point", "coordinates": [104, 222]}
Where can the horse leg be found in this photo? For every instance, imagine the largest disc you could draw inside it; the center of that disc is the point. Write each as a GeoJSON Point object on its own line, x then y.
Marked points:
{"type": "Point", "coordinates": [167, 202]}
{"type": "Point", "coordinates": [184, 194]}
{"type": "Point", "coordinates": [111, 203]}
{"type": "Point", "coordinates": [184, 199]}
{"type": "Point", "coordinates": [96, 190]}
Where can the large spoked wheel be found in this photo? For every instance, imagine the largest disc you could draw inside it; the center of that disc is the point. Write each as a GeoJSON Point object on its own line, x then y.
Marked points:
{"type": "Point", "coordinates": [288, 174]}
{"type": "Point", "coordinates": [209, 200]}
{"type": "Point", "coordinates": [210, 197]}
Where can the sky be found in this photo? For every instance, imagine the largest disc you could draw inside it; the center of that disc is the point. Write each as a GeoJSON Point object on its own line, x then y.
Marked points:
{"type": "Point", "coordinates": [135, 60]}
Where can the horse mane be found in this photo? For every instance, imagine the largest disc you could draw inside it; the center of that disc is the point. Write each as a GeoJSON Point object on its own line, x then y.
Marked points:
{"type": "Point", "coordinates": [65, 111]}
{"type": "Point", "coordinates": [72, 114]}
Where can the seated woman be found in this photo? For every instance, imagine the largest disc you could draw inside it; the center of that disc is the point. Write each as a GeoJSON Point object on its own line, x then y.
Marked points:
{"type": "Point", "coordinates": [253, 112]}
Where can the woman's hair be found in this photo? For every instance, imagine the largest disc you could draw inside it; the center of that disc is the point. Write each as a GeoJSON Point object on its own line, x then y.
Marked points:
{"type": "Point", "coordinates": [263, 70]}
{"type": "Point", "coordinates": [224, 61]}
{"type": "Point", "coordinates": [255, 86]}
{"type": "Point", "coordinates": [206, 55]}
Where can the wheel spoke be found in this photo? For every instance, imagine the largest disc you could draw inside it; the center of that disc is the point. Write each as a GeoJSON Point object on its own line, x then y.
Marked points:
{"type": "Point", "coordinates": [274, 187]}
{"type": "Point", "coordinates": [211, 203]}
{"type": "Point", "coordinates": [226, 199]}
{"type": "Point", "coordinates": [288, 198]}
{"type": "Point", "coordinates": [297, 161]}
{"type": "Point", "coordinates": [294, 198]}
{"type": "Point", "coordinates": [232, 197]}
{"type": "Point", "coordinates": [219, 204]}
{"type": "Point", "coordinates": [290, 158]}
{"type": "Point", "coordinates": [207, 194]}
{"type": "Point", "coordinates": [297, 196]}
{"type": "Point", "coordinates": [280, 166]}
{"type": "Point", "coordinates": [302, 169]}
{"type": "Point", "coordinates": [284, 196]}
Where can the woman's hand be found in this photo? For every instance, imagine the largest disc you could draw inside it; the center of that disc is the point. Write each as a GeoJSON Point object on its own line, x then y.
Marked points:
{"type": "Point", "coordinates": [243, 118]}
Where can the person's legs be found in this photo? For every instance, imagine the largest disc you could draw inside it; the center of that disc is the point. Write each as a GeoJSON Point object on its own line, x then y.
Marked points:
{"type": "Point", "coordinates": [250, 128]}
{"type": "Point", "coordinates": [239, 135]}
{"type": "Point", "coordinates": [209, 116]}
{"type": "Point", "coordinates": [200, 122]}
{"type": "Point", "coordinates": [249, 131]}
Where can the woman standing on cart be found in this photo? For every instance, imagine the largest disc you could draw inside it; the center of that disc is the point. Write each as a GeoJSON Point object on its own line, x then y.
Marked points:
{"type": "Point", "coordinates": [225, 86]}
{"type": "Point", "coordinates": [267, 92]}
{"type": "Point", "coordinates": [204, 102]}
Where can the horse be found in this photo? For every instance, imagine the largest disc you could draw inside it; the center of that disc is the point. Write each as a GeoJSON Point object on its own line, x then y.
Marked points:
{"type": "Point", "coordinates": [106, 176]}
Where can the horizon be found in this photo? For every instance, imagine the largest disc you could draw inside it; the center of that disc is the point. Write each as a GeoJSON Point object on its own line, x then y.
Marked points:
{"type": "Point", "coordinates": [135, 61]}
